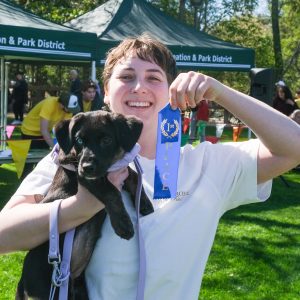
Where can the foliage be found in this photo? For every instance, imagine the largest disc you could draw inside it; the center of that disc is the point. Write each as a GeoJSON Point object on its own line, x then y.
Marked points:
{"type": "Point", "coordinates": [242, 30]}
{"type": "Point", "coordinates": [60, 11]}
{"type": "Point", "coordinates": [256, 250]}
{"type": "Point", "coordinates": [290, 38]}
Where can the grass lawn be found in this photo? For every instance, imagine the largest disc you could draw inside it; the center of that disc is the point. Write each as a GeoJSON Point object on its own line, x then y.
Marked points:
{"type": "Point", "coordinates": [256, 253]}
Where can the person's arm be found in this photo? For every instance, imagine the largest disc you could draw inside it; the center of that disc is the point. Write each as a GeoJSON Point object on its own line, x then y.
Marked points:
{"type": "Point", "coordinates": [45, 132]}
{"type": "Point", "coordinates": [290, 102]}
{"type": "Point", "coordinates": [24, 224]}
{"type": "Point", "coordinates": [280, 136]}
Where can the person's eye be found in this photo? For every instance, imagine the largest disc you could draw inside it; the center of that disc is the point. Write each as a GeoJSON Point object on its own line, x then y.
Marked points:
{"type": "Point", "coordinates": [154, 78]}
{"type": "Point", "coordinates": [126, 77]}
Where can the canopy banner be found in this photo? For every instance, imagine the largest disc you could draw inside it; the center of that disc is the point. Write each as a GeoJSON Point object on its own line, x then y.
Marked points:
{"type": "Point", "coordinates": [65, 45]}
{"type": "Point", "coordinates": [205, 58]}
{"type": "Point", "coordinates": [217, 59]}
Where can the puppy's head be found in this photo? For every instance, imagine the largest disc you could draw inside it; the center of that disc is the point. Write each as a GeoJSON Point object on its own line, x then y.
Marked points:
{"type": "Point", "coordinates": [96, 140]}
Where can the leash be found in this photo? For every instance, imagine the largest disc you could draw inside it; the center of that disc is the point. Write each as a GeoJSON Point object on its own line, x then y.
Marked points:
{"type": "Point", "coordinates": [141, 243]}
{"type": "Point", "coordinates": [61, 268]}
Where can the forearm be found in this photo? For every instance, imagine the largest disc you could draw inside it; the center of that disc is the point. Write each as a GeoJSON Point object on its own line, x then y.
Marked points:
{"type": "Point", "coordinates": [45, 132]}
{"type": "Point", "coordinates": [47, 137]}
{"type": "Point", "coordinates": [277, 132]}
{"type": "Point", "coordinates": [26, 225]}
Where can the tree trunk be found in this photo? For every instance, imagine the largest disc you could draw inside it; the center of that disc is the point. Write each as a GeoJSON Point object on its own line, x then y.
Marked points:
{"type": "Point", "coordinates": [276, 40]}
{"type": "Point", "coordinates": [182, 10]}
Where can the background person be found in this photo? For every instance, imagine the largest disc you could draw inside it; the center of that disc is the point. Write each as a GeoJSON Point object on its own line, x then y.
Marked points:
{"type": "Point", "coordinates": [139, 79]}
{"type": "Point", "coordinates": [19, 98]}
{"type": "Point", "coordinates": [284, 101]}
{"type": "Point", "coordinates": [75, 87]}
{"type": "Point", "coordinates": [90, 100]}
{"type": "Point", "coordinates": [297, 98]}
{"type": "Point", "coordinates": [39, 122]}
{"type": "Point", "coordinates": [295, 116]}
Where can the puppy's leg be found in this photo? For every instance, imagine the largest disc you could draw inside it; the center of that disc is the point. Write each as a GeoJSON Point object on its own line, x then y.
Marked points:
{"type": "Point", "coordinates": [110, 196]}
{"type": "Point", "coordinates": [130, 185]}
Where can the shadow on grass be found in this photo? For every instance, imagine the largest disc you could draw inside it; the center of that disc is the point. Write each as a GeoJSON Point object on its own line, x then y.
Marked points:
{"type": "Point", "coordinates": [9, 182]}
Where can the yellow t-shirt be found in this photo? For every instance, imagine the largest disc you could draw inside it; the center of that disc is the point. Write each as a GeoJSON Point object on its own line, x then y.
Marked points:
{"type": "Point", "coordinates": [87, 106]}
{"type": "Point", "coordinates": [49, 109]}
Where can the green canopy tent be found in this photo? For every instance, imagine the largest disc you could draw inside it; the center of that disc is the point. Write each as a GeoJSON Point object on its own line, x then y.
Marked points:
{"type": "Point", "coordinates": [117, 19]}
{"type": "Point", "coordinates": [26, 36]}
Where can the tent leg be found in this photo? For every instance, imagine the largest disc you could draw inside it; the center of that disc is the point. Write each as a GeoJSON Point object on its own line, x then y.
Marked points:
{"type": "Point", "coordinates": [2, 111]}
{"type": "Point", "coordinates": [93, 70]}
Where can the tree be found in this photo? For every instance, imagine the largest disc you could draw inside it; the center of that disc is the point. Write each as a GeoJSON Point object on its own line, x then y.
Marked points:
{"type": "Point", "coordinates": [59, 11]}
{"type": "Point", "coordinates": [276, 39]}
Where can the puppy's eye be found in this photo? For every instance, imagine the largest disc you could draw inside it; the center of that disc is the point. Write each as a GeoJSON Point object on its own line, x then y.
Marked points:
{"type": "Point", "coordinates": [79, 141]}
{"type": "Point", "coordinates": [106, 141]}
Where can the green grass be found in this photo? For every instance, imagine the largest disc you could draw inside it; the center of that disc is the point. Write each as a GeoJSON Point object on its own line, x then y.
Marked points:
{"type": "Point", "coordinates": [256, 253]}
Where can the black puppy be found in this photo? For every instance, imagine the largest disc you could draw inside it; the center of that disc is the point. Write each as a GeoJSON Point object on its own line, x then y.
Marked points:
{"type": "Point", "coordinates": [91, 142]}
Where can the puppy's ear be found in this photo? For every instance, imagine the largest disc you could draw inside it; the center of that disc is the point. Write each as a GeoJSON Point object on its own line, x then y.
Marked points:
{"type": "Point", "coordinates": [65, 130]}
{"type": "Point", "coordinates": [63, 136]}
{"type": "Point", "coordinates": [129, 130]}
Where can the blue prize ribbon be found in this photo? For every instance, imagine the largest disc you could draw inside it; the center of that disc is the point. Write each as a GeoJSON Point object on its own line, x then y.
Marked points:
{"type": "Point", "coordinates": [167, 153]}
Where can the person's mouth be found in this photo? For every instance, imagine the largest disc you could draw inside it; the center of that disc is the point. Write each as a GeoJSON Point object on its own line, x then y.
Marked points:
{"type": "Point", "coordinates": [139, 104]}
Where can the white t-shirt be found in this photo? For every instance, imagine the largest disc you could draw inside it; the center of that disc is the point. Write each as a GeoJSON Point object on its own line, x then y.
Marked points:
{"type": "Point", "coordinates": [179, 234]}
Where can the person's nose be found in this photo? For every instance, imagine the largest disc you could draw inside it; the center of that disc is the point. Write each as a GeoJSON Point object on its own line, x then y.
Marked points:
{"type": "Point", "coordinates": [139, 86]}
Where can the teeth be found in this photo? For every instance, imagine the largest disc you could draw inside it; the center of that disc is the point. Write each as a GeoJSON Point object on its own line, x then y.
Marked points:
{"type": "Point", "coordinates": [139, 104]}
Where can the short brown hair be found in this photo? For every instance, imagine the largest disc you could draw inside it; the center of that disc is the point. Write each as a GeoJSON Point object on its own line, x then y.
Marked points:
{"type": "Point", "coordinates": [146, 48]}
{"type": "Point", "coordinates": [85, 85]}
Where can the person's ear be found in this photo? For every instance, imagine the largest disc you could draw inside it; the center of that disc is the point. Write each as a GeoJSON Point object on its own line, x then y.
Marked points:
{"type": "Point", "coordinates": [106, 96]}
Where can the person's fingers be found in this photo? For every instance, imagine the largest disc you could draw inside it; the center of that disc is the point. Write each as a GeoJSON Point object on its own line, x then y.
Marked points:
{"type": "Point", "coordinates": [191, 92]}
{"type": "Point", "coordinates": [173, 91]}
{"type": "Point", "coordinates": [187, 90]}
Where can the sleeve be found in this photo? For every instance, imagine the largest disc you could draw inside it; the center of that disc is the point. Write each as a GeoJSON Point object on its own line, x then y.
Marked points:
{"type": "Point", "coordinates": [40, 179]}
{"type": "Point", "coordinates": [233, 169]}
{"type": "Point", "coordinates": [230, 170]}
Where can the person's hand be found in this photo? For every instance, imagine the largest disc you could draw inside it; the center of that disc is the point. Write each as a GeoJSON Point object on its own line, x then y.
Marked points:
{"type": "Point", "coordinates": [117, 177]}
{"type": "Point", "coordinates": [188, 89]}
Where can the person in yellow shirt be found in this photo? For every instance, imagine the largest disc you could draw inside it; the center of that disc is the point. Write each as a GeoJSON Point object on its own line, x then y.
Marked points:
{"type": "Point", "coordinates": [90, 99]}
{"type": "Point", "coordinates": [39, 122]}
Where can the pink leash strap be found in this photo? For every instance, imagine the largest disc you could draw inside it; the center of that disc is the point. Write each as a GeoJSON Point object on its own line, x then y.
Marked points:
{"type": "Point", "coordinates": [141, 243]}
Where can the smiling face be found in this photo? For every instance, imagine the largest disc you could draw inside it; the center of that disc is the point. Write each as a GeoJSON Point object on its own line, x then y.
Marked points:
{"type": "Point", "coordinates": [136, 79]}
{"type": "Point", "coordinates": [139, 88]}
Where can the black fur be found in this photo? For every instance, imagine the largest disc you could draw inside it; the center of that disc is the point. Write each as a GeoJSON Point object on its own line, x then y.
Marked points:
{"type": "Point", "coordinates": [91, 142]}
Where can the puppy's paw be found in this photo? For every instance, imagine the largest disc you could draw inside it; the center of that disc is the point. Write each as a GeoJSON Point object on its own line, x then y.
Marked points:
{"type": "Point", "coordinates": [123, 227]}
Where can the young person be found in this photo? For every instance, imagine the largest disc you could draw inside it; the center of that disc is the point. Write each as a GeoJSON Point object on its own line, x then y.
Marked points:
{"type": "Point", "coordinates": [139, 79]}
{"type": "Point", "coordinates": [284, 101]}
{"type": "Point", "coordinates": [39, 122]}
{"type": "Point", "coordinates": [90, 99]}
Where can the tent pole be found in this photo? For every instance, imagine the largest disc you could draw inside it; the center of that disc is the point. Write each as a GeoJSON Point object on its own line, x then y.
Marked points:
{"type": "Point", "coordinates": [6, 72]}
{"type": "Point", "coordinates": [2, 129]}
{"type": "Point", "coordinates": [93, 70]}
